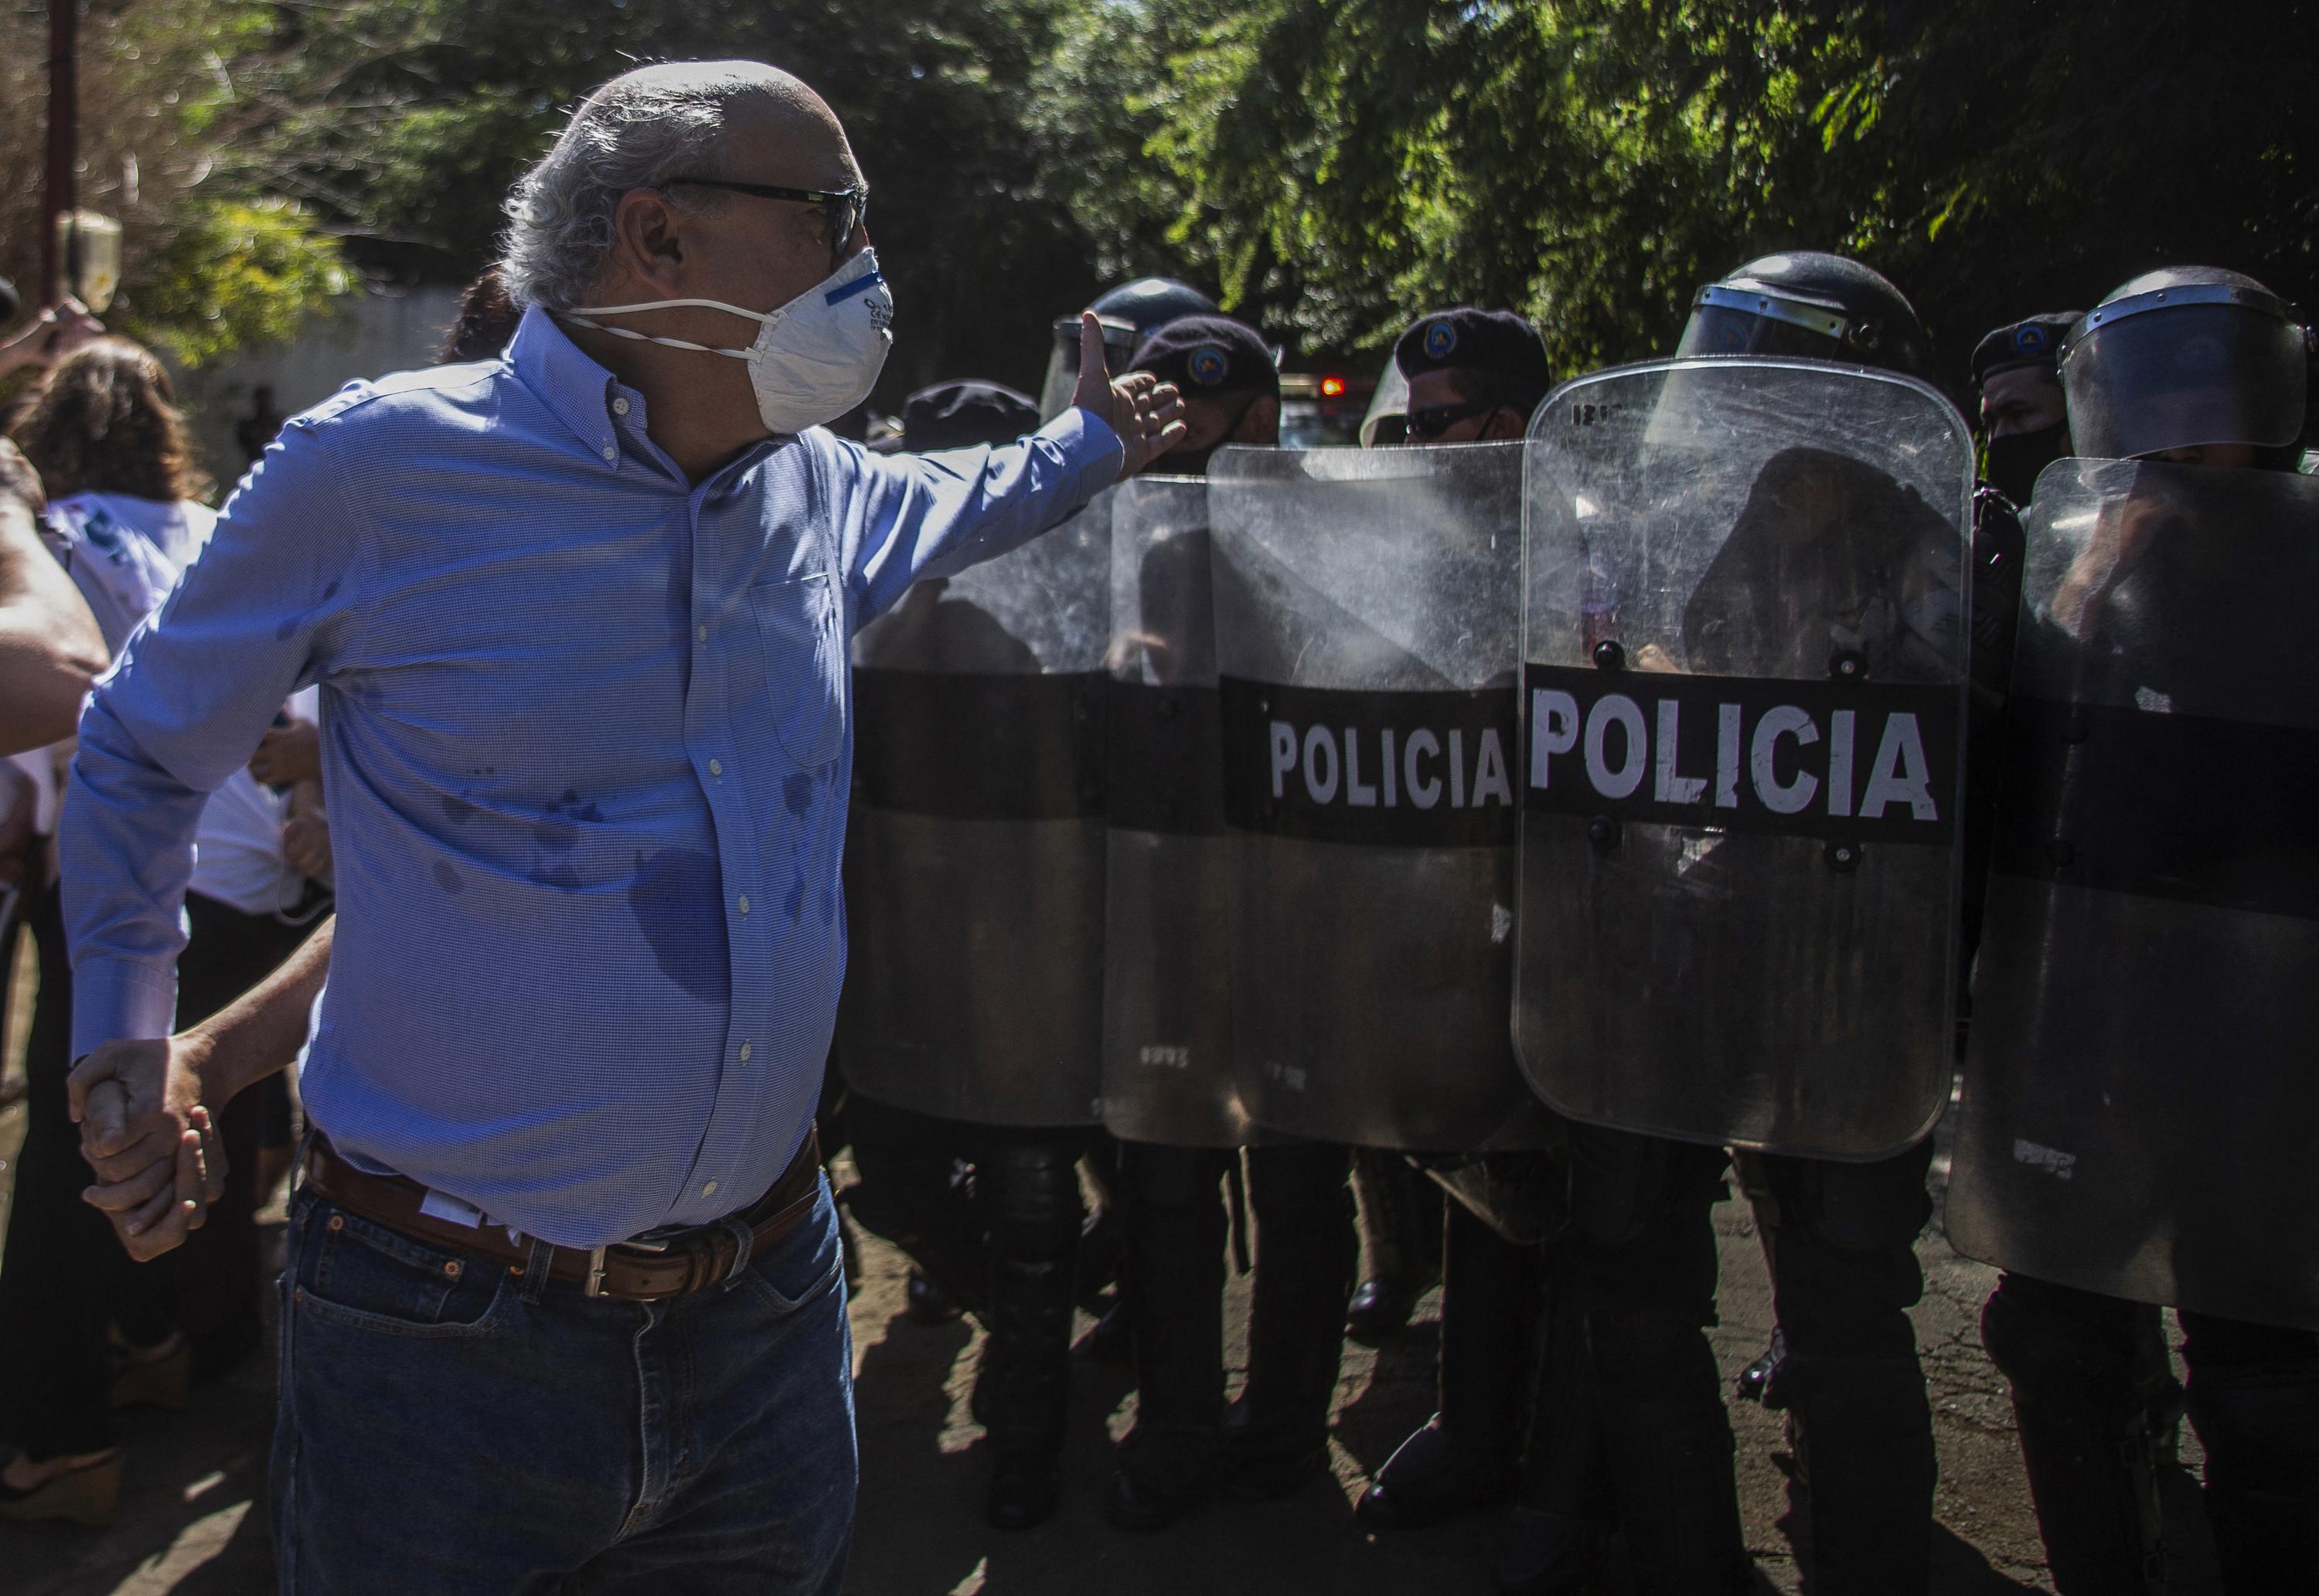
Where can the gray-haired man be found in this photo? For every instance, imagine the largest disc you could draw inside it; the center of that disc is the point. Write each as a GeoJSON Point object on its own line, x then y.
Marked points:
{"type": "Point", "coordinates": [564, 1302]}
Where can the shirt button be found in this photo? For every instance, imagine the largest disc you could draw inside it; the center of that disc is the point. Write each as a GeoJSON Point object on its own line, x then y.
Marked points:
{"type": "Point", "coordinates": [620, 407]}
{"type": "Point", "coordinates": [743, 904]}
{"type": "Point", "coordinates": [704, 633]}
{"type": "Point", "coordinates": [709, 1190]}
{"type": "Point", "coordinates": [746, 1051]}
{"type": "Point", "coordinates": [611, 453]}
{"type": "Point", "coordinates": [716, 767]}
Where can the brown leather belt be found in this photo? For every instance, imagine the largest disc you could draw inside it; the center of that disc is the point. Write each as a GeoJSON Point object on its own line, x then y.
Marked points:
{"type": "Point", "coordinates": [673, 1266]}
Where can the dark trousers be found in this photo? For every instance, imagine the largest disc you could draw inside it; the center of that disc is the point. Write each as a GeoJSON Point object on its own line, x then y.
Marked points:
{"type": "Point", "coordinates": [1842, 1249]}
{"type": "Point", "coordinates": [917, 1191]}
{"type": "Point", "coordinates": [1306, 1248]}
{"type": "Point", "coordinates": [2083, 1393]}
{"type": "Point", "coordinates": [65, 1277]}
{"type": "Point", "coordinates": [1647, 1268]}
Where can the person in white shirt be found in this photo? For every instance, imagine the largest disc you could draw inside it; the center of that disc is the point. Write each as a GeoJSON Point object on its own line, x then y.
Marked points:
{"type": "Point", "coordinates": [124, 518]}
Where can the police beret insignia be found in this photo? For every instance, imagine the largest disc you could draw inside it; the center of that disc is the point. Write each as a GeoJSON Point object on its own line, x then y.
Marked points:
{"type": "Point", "coordinates": [2033, 341]}
{"type": "Point", "coordinates": [1440, 339]}
{"type": "Point", "coordinates": [1209, 356]}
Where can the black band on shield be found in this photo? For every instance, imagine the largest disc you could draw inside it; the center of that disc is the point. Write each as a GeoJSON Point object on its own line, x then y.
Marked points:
{"type": "Point", "coordinates": [979, 747]}
{"type": "Point", "coordinates": [2182, 807]}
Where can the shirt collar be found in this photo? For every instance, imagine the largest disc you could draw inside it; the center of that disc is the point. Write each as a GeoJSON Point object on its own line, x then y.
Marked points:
{"type": "Point", "coordinates": [574, 387]}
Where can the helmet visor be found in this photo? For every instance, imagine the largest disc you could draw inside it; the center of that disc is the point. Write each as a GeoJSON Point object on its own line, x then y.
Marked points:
{"type": "Point", "coordinates": [1731, 329]}
{"type": "Point", "coordinates": [2180, 375]}
{"type": "Point", "coordinates": [1119, 341]}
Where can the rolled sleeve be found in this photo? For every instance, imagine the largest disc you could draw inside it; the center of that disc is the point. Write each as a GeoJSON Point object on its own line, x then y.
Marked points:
{"type": "Point", "coordinates": [183, 708]}
{"type": "Point", "coordinates": [917, 516]}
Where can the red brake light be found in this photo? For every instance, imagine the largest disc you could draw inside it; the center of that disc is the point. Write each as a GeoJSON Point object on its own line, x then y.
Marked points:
{"type": "Point", "coordinates": [1332, 387]}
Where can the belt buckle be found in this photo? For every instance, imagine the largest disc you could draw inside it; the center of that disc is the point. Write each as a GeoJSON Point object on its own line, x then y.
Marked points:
{"type": "Point", "coordinates": [594, 1284]}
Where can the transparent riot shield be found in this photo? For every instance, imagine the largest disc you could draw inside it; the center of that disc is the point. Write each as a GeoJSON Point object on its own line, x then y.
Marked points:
{"type": "Point", "coordinates": [1167, 1073]}
{"type": "Point", "coordinates": [2141, 1113]}
{"type": "Point", "coordinates": [1365, 614]}
{"type": "Point", "coordinates": [974, 861]}
{"type": "Point", "coordinates": [1744, 650]}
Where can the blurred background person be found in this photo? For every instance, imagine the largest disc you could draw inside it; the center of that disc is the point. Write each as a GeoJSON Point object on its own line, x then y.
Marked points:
{"type": "Point", "coordinates": [125, 516]}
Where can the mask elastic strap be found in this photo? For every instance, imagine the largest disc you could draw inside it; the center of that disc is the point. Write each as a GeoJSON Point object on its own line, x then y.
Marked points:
{"type": "Point", "coordinates": [645, 337]}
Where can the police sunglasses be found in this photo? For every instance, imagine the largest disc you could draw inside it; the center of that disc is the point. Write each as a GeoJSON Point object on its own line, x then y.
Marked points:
{"type": "Point", "coordinates": [845, 210]}
{"type": "Point", "coordinates": [1431, 420]}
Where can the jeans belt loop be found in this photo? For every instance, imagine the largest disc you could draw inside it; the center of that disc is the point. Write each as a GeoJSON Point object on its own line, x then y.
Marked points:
{"type": "Point", "coordinates": [744, 1239]}
{"type": "Point", "coordinates": [539, 1264]}
{"type": "Point", "coordinates": [594, 1284]}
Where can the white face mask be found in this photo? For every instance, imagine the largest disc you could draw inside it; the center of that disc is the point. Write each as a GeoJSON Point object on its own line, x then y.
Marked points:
{"type": "Point", "coordinates": [815, 358]}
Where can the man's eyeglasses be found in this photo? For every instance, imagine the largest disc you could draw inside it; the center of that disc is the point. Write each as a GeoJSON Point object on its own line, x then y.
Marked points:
{"type": "Point", "coordinates": [845, 210]}
{"type": "Point", "coordinates": [1431, 420]}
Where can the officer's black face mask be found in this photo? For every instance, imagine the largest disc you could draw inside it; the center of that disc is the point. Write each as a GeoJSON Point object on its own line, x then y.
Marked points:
{"type": "Point", "coordinates": [2013, 461]}
{"type": "Point", "coordinates": [1194, 462]}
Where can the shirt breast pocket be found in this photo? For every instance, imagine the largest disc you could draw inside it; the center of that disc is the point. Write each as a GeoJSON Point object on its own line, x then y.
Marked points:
{"type": "Point", "coordinates": [800, 627]}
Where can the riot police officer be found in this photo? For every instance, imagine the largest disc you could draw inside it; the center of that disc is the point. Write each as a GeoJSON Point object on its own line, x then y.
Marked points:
{"type": "Point", "coordinates": [989, 1215]}
{"type": "Point", "coordinates": [1274, 1439]}
{"type": "Point", "coordinates": [1474, 376]}
{"type": "Point", "coordinates": [1838, 1236]}
{"type": "Point", "coordinates": [2025, 425]}
{"type": "Point", "coordinates": [2141, 1015]}
{"type": "Point", "coordinates": [1230, 384]}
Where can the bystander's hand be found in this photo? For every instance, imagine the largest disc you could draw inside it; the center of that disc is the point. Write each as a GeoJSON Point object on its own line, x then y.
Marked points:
{"type": "Point", "coordinates": [288, 753]}
{"type": "Point", "coordinates": [306, 834]}
{"type": "Point", "coordinates": [1147, 413]}
{"type": "Point", "coordinates": [50, 336]}
{"type": "Point", "coordinates": [150, 1139]}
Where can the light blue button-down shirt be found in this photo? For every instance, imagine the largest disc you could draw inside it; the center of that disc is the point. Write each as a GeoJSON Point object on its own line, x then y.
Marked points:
{"type": "Point", "coordinates": [587, 738]}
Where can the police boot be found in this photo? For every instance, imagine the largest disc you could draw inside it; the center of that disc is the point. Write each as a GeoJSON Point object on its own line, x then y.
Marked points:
{"type": "Point", "coordinates": [1030, 1188]}
{"type": "Point", "coordinates": [1553, 1541]}
{"type": "Point", "coordinates": [1667, 1447]}
{"type": "Point", "coordinates": [1465, 1457]}
{"type": "Point", "coordinates": [2084, 1435]}
{"type": "Point", "coordinates": [2258, 1421]}
{"type": "Point", "coordinates": [1276, 1437]}
{"type": "Point", "coordinates": [1393, 1214]}
{"type": "Point", "coordinates": [1862, 1434]}
{"type": "Point", "coordinates": [2162, 1399]}
{"type": "Point", "coordinates": [1172, 1208]}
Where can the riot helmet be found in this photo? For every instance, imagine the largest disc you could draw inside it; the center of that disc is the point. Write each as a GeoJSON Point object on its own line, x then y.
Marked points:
{"type": "Point", "coordinates": [1130, 313]}
{"type": "Point", "coordinates": [1810, 305]}
{"type": "Point", "coordinates": [2185, 358]}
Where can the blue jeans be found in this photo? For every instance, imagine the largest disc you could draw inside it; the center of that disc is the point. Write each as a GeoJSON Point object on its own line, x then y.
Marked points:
{"type": "Point", "coordinates": [449, 1426]}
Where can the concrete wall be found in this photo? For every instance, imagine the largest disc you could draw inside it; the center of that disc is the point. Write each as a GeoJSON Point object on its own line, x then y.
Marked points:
{"type": "Point", "coordinates": [380, 333]}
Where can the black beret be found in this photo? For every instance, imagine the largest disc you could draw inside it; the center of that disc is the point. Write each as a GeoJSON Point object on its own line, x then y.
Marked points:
{"type": "Point", "coordinates": [2036, 341]}
{"type": "Point", "coordinates": [958, 415]}
{"type": "Point", "coordinates": [1492, 343]}
{"type": "Point", "coordinates": [1209, 354]}
{"type": "Point", "coordinates": [8, 300]}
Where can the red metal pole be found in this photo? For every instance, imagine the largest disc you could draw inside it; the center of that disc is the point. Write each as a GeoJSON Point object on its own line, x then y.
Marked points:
{"type": "Point", "coordinates": [64, 118]}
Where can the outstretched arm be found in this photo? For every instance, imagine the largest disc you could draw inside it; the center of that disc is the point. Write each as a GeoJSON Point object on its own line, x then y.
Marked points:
{"type": "Point", "coordinates": [917, 515]}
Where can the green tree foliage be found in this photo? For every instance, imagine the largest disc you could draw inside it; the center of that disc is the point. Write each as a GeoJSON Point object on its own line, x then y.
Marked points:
{"type": "Point", "coordinates": [1349, 163]}
{"type": "Point", "coordinates": [935, 94]}
{"type": "Point", "coordinates": [173, 93]}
